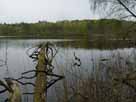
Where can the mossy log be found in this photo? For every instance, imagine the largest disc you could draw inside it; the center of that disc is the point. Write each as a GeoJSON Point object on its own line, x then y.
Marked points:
{"type": "Point", "coordinates": [41, 79]}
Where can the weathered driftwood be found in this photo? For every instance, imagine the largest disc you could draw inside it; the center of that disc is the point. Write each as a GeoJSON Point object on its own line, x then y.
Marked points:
{"type": "Point", "coordinates": [41, 79]}
{"type": "Point", "coordinates": [13, 89]}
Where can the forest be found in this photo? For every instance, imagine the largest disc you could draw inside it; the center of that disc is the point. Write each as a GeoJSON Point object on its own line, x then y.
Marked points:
{"type": "Point", "coordinates": [90, 29]}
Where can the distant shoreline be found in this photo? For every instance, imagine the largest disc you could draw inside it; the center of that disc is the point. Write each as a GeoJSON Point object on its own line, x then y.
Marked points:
{"type": "Point", "coordinates": [76, 29]}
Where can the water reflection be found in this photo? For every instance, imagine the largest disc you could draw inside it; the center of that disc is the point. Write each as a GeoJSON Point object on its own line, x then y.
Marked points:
{"type": "Point", "coordinates": [95, 62]}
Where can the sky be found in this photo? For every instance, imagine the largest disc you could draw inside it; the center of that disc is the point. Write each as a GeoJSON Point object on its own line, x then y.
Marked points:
{"type": "Point", "coordinates": [15, 11]}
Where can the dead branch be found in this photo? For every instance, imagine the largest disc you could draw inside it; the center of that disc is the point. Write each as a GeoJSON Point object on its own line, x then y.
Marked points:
{"type": "Point", "coordinates": [44, 55]}
{"type": "Point", "coordinates": [49, 84]}
{"type": "Point", "coordinates": [13, 89]}
{"type": "Point", "coordinates": [127, 9]}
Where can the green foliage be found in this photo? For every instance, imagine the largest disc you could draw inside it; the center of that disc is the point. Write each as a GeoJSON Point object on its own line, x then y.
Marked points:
{"type": "Point", "coordinates": [68, 29]}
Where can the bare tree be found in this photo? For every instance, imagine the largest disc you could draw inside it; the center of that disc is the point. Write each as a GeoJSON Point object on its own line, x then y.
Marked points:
{"type": "Point", "coordinates": [124, 9]}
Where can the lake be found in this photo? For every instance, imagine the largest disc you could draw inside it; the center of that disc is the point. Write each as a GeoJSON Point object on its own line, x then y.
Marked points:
{"type": "Point", "coordinates": [101, 60]}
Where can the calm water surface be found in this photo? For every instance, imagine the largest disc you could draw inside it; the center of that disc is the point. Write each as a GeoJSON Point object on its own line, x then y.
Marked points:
{"type": "Point", "coordinates": [14, 52]}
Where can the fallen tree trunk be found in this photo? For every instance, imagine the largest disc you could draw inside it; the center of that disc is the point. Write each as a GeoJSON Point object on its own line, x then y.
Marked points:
{"type": "Point", "coordinates": [41, 79]}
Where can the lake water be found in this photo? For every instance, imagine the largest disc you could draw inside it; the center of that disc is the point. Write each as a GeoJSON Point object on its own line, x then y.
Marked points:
{"type": "Point", "coordinates": [96, 59]}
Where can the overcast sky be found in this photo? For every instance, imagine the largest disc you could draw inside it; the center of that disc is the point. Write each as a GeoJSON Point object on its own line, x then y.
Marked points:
{"type": "Point", "coordinates": [12, 11]}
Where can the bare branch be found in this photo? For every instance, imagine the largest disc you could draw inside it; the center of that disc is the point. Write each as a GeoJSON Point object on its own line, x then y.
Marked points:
{"type": "Point", "coordinates": [120, 2]}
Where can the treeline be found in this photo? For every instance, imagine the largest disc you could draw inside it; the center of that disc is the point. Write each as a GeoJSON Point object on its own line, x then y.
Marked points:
{"type": "Point", "coordinates": [70, 29]}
